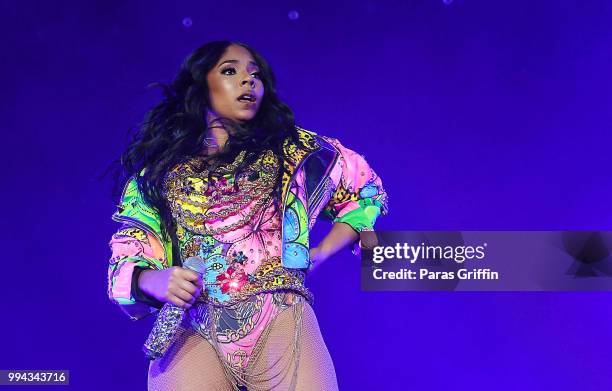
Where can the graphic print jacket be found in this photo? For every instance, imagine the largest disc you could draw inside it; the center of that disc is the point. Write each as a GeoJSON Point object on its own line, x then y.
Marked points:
{"type": "Point", "coordinates": [324, 180]}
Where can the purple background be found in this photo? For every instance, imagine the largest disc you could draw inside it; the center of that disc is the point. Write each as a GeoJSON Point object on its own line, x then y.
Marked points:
{"type": "Point", "coordinates": [476, 114]}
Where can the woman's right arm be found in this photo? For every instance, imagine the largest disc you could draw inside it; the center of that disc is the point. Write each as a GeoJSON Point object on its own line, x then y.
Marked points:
{"type": "Point", "coordinates": [133, 251]}
{"type": "Point", "coordinates": [140, 276]}
{"type": "Point", "coordinates": [139, 279]}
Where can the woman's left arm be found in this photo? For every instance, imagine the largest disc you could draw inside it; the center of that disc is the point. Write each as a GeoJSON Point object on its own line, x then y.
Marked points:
{"type": "Point", "coordinates": [356, 203]}
{"type": "Point", "coordinates": [341, 235]}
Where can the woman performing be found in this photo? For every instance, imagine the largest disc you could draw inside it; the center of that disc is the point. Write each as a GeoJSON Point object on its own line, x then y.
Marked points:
{"type": "Point", "coordinates": [220, 171]}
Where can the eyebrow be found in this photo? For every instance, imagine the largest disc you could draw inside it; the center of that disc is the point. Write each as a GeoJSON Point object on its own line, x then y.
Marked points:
{"type": "Point", "coordinates": [236, 61]}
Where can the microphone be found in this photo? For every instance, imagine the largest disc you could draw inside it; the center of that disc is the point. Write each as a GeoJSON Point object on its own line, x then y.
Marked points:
{"type": "Point", "coordinates": [169, 319]}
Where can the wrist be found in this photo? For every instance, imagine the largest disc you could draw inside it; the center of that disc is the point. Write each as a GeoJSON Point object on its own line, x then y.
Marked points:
{"type": "Point", "coordinates": [141, 282]}
{"type": "Point", "coordinates": [140, 290]}
{"type": "Point", "coordinates": [319, 254]}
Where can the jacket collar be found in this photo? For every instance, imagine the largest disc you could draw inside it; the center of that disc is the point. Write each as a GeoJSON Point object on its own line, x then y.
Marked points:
{"type": "Point", "coordinates": [295, 153]}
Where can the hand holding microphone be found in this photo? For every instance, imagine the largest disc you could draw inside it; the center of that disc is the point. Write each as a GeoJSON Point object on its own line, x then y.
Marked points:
{"type": "Point", "coordinates": [176, 285]}
{"type": "Point", "coordinates": [179, 288]}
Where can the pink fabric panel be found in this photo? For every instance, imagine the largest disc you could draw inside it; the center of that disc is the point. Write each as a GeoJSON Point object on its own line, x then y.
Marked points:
{"type": "Point", "coordinates": [247, 344]}
{"type": "Point", "coordinates": [122, 288]}
{"type": "Point", "coordinates": [126, 246]}
{"type": "Point", "coordinates": [122, 247]}
{"type": "Point", "coordinates": [352, 172]}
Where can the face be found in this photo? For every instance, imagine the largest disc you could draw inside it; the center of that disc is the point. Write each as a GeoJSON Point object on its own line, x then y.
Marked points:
{"type": "Point", "coordinates": [236, 89]}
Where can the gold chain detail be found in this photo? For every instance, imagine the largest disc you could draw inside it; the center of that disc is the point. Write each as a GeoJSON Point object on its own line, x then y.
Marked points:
{"type": "Point", "coordinates": [194, 201]}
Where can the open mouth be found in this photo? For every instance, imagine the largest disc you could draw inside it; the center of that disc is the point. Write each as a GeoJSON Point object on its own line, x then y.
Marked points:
{"type": "Point", "coordinates": [247, 98]}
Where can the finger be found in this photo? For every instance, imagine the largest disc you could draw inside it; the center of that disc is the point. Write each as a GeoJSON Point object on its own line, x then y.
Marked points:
{"type": "Point", "coordinates": [195, 295]}
{"type": "Point", "coordinates": [183, 295]}
{"type": "Point", "coordinates": [190, 275]}
{"type": "Point", "coordinates": [200, 282]}
{"type": "Point", "coordinates": [188, 286]}
{"type": "Point", "coordinates": [178, 302]}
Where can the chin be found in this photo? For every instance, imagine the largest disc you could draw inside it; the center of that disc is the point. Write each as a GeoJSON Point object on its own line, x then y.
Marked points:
{"type": "Point", "coordinates": [244, 117]}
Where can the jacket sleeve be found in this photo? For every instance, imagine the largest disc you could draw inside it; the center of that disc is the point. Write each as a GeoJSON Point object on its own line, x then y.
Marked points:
{"type": "Point", "coordinates": [358, 197]}
{"type": "Point", "coordinates": [134, 248]}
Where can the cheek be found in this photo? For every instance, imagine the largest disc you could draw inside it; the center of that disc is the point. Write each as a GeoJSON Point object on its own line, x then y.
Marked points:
{"type": "Point", "coordinates": [229, 85]}
{"type": "Point", "coordinates": [261, 90]}
{"type": "Point", "coordinates": [220, 91]}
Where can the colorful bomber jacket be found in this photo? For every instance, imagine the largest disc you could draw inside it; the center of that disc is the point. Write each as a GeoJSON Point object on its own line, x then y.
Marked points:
{"type": "Point", "coordinates": [324, 179]}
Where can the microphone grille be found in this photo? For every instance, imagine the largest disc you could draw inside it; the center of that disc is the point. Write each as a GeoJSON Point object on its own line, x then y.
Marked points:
{"type": "Point", "coordinates": [197, 264]}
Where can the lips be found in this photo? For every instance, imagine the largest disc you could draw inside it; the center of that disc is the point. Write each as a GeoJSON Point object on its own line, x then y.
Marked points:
{"type": "Point", "coordinates": [247, 98]}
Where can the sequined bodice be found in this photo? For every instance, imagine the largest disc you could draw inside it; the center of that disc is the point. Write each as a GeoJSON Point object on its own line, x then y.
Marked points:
{"type": "Point", "coordinates": [231, 222]}
{"type": "Point", "coordinates": [202, 206]}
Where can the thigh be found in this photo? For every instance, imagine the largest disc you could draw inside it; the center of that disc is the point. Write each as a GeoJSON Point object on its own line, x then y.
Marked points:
{"type": "Point", "coordinates": [190, 364]}
{"type": "Point", "coordinates": [315, 370]}
{"type": "Point", "coordinates": [292, 354]}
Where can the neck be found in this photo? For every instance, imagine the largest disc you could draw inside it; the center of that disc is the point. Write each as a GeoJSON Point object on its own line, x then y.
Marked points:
{"type": "Point", "coordinates": [216, 135]}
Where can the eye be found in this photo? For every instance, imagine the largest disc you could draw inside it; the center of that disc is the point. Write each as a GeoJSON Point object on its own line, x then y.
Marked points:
{"type": "Point", "coordinates": [228, 71]}
{"type": "Point", "coordinates": [256, 75]}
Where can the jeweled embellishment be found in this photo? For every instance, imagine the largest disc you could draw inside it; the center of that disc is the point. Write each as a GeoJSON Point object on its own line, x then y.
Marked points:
{"type": "Point", "coordinates": [232, 280]}
{"type": "Point", "coordinates": [240, 257]}
{"type": "Point", "coordinates": [198, 202]}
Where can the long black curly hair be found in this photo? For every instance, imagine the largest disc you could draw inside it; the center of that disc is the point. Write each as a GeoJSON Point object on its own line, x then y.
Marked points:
{"type": "Point", "coordinates": [173, 131]}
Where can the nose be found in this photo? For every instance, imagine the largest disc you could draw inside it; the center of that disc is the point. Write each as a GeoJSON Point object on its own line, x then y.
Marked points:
{"type": "Point", "coordinates": [248, 79]}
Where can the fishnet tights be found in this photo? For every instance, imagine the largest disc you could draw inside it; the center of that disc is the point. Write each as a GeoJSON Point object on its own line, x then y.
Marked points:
{"type": "Point", "coordinates": [287, 358]}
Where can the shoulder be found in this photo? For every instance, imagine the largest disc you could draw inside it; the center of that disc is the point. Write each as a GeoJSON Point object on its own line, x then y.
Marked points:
{"type": "Point", "coordinates": [133, 202]}
{"type": "Point", "coordinates": [309, 139]}
{"type": "Point", "coordinates": [336, 145]}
